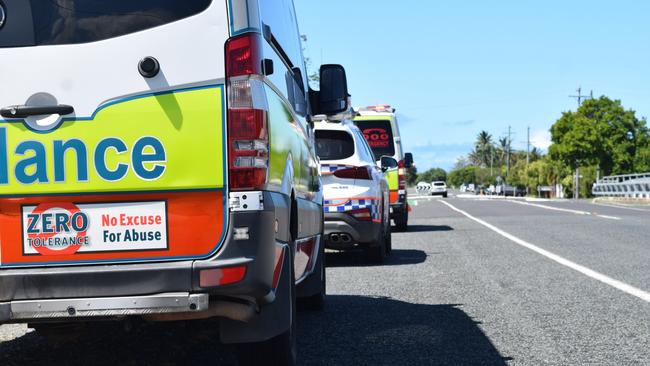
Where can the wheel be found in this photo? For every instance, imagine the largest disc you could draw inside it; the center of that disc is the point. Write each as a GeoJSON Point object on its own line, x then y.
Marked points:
{"type": "Point", "coordinates": [444, 195]}
{"type": "Point", "coordinates": [389, 240]}
{"type": "Point", "coordinates": [376, 252]}
{"type": "Point", "coordinates": [401, 221]}
{"type": "Point", "coordinates": [280, 350]}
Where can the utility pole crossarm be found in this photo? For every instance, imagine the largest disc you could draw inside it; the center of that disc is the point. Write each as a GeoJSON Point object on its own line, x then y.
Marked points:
{"type": "Point", "coordinates": [580, 97]}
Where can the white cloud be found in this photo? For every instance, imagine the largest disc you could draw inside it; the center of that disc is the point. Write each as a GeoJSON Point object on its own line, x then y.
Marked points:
{"type": "Point", "coordinates": [541, 139]}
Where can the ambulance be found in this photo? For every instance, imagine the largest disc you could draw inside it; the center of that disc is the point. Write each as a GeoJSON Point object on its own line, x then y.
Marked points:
{"type": "Point", "coordinates": [157, 164]}
{"type": "Point", "coordinates": [379, 126]}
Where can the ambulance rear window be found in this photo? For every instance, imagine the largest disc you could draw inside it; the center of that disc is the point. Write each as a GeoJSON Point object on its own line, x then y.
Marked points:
{"type": "Point", "coordinates": [334, 145]}
{"type": "Point", "coordinates": [379, 135]}
{"type": "Point", "coordinates": [57, 22]}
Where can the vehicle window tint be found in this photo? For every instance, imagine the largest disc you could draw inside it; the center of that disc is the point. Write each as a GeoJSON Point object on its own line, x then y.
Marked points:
{"type": "Point", "coordinates": [379, 136]}
{"type": "Point", "coordinates": [334, 145]}
{"type": "Point", "coordinates": [55, 22]}
{"type": "Point", "coordinates": [439, 184]}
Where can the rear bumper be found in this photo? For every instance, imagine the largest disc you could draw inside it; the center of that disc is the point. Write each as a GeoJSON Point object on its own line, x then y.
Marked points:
{"type": "Point", "coordinates": [172, 288]}
{"type": "Point", "coordinates": [103, 307]}
{"type": "Point", "coordinates": [398, 207]}
{"type": "Point", "coordinates": [360, 232]}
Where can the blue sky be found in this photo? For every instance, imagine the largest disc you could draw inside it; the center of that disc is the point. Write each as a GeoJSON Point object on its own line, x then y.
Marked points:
{"type": "Point", "coordinates": [453, 68]}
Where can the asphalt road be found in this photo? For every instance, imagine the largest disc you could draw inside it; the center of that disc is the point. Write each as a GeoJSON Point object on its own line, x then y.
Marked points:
{"type": "Point", "coordinates": [557, 283]}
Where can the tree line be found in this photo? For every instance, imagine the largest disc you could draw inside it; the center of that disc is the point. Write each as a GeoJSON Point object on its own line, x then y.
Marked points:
{"type": "Point", "coordinates": [600, 138]}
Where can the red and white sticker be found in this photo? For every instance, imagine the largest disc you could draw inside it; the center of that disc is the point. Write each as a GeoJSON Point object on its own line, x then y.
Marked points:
{"type": "Point", "coordinates": [67, 228]}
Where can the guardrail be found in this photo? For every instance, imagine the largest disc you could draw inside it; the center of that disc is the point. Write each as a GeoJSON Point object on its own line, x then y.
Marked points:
{"type": "Point", "coordinates": [423, 189]}
{"type": "Point", "coordinates": [629, 186]}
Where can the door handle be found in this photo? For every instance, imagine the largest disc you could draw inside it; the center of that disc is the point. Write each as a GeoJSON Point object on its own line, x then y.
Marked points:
{"type": "Point", "coordinates": [23, 111]}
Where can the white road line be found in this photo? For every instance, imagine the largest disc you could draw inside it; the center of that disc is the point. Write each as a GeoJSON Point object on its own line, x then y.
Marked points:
{"type": "Point", "coordinates": [619, 206]}
{"type": "Point", "coordinates": [631, 290]}
{"type": "Point", "coordinates": [577, 212]}
{"type": "Point", "coordinates": [430, 198]}
{"type": "Point", "coordinates": [609, 217]}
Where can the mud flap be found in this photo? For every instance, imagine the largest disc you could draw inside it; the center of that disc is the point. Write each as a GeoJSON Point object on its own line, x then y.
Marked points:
{"type": "Point", "coordinates": [313, 283]}
{"type": "Point", "coordinates": [273, 319]}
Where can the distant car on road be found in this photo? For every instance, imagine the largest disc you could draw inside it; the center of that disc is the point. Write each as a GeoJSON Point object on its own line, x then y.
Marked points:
{"type": "Point", "coordinates": [508, 190]}
{"type": "Point", "coordinates": [439, 188]}
{"type": "Point", "coordinates": [521, 191]}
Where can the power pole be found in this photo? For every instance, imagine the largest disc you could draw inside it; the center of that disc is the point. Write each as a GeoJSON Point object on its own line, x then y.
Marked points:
{"type": "Point", "coordinates": [580, 97]}
{"type": "Point", "coordinates": [576, 189]}
{"type": "Point", "coordinates": [508, 152]}
{"type": "Point", "coordinates": [491, 161]}
{"type": "Point", "coordinates": [528, 147]}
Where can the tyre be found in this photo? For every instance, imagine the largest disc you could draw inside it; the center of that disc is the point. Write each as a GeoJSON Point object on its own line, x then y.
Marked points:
{"type": "Point", "coordinates": [376, 252]}
{"type": "Point", "coordinates": [389, 240]}
{"type": "Point", "coordinates": [444, 195]}
{"type": "Point", "coordinates": [280, 350]}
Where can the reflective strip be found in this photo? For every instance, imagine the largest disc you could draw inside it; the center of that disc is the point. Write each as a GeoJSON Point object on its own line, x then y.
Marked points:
{"type": "Point", "coordinates": [351, 205]}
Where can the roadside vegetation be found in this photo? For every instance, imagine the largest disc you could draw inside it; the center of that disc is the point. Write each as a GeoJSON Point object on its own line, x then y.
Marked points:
{"type": "Point", "coordinates": [600, 138]}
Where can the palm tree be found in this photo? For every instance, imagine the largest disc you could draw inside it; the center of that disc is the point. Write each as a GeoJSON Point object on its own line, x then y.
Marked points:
{"type": "Point", "coordinates": [535, 154]}
{"type": "Point", "coordinates": [483, 149]}
{"type": "Point", "coordinates": [502, 150]}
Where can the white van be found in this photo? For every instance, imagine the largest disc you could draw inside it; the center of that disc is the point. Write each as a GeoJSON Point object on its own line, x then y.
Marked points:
{"type": "Point", "coordinates": [156, 161]}
{"type": "Point", "coordinates": [381, 130]}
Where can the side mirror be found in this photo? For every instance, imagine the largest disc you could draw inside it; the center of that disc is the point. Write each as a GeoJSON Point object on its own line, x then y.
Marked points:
{"type": "Point", "coordinates": [388, 162]}
{"type": "Point", "coordinates": [408, 160]}
{"type": "Point", "coordinates": [333, 94]}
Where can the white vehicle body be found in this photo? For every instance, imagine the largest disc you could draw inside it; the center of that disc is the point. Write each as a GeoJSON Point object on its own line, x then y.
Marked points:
{"type": "Point", "coordinates": [168, 112]}
{"type": "Point", "coordinates": [439, 188]}
{"type": "Point", "coordinates": [356, 195]}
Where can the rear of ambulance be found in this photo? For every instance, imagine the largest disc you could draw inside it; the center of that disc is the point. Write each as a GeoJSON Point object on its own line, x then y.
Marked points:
{"type": "Point", "coordinates": [114, 165]}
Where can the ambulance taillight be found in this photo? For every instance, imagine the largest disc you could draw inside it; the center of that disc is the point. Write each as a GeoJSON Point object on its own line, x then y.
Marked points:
{"type": "Point", "coordinates": [401, 172]}
{"type": "Point", "coordinates": [248, 139]}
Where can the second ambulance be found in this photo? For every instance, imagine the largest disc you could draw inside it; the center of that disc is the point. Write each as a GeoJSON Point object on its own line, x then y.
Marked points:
{"type": "Point", "coordinates": [379, 126]}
